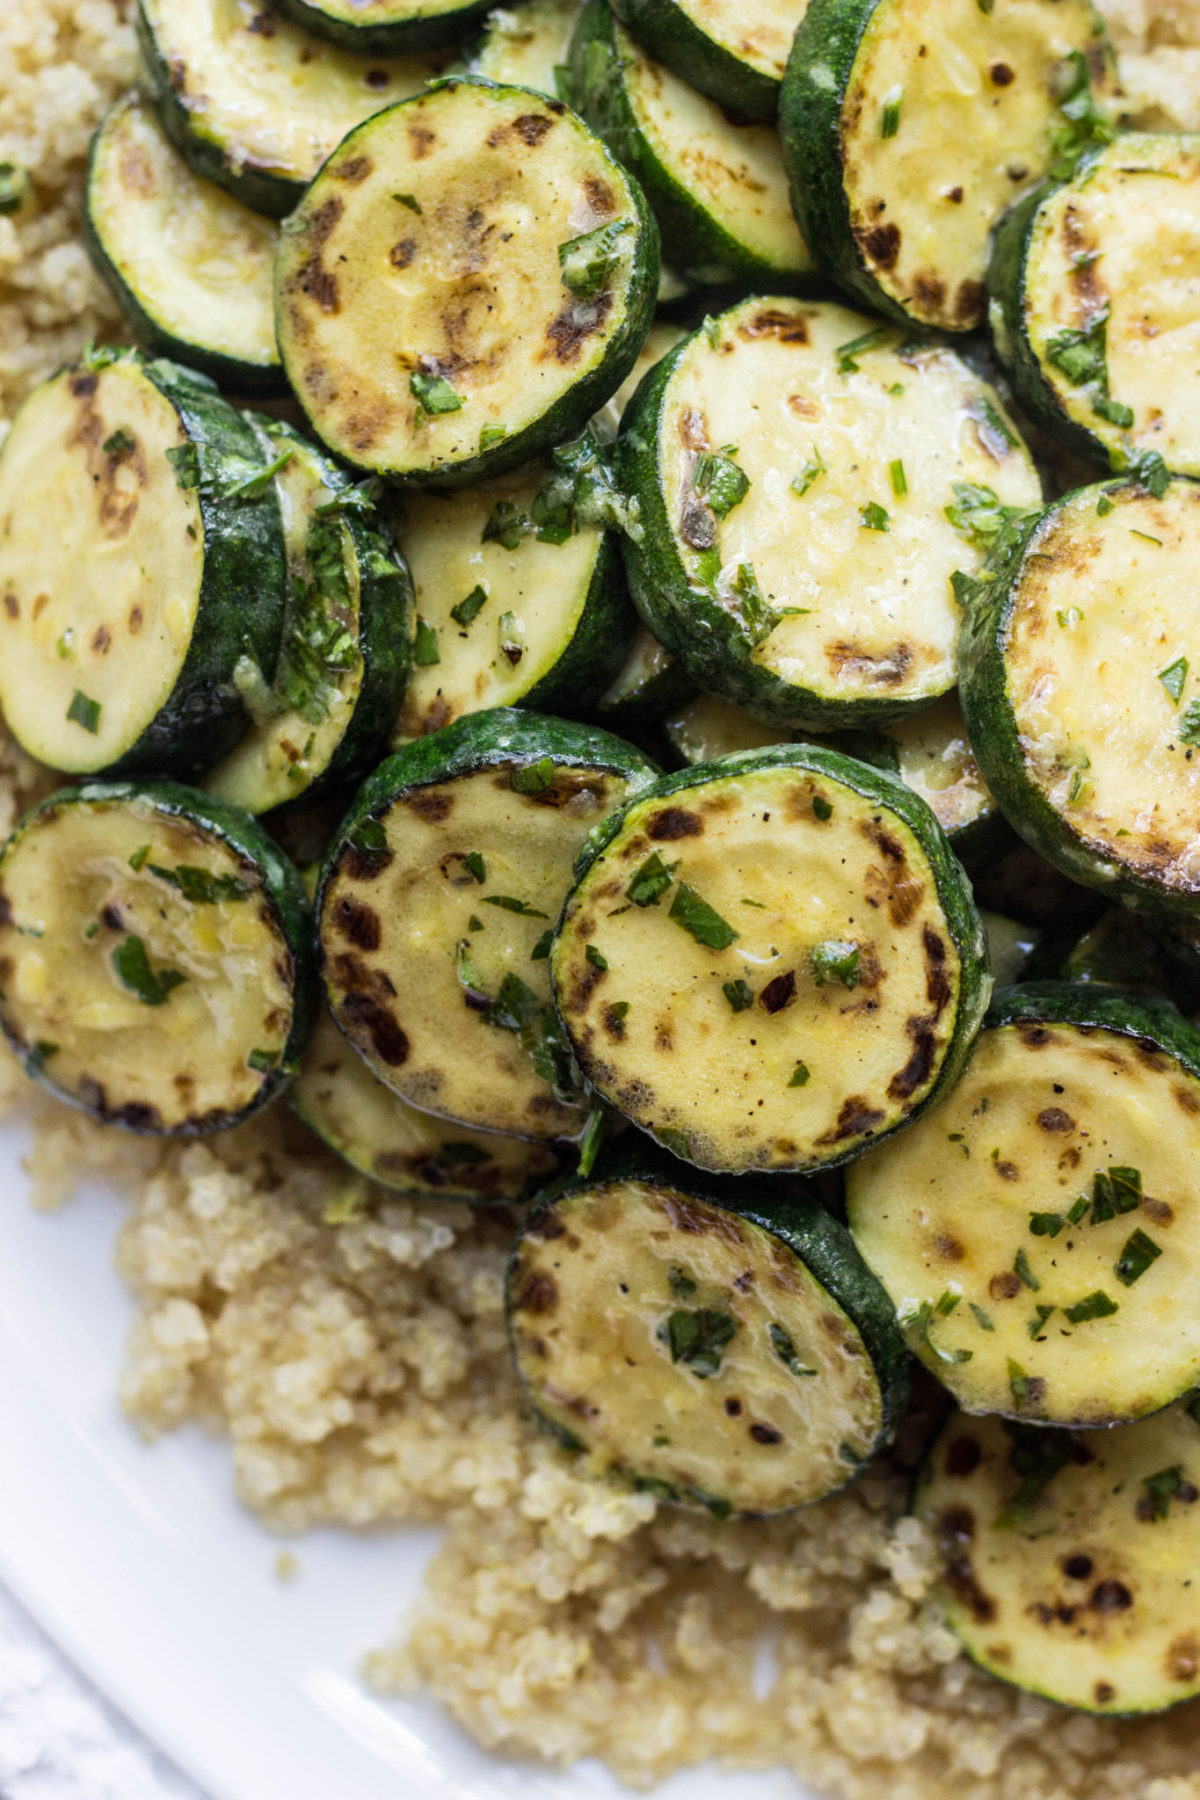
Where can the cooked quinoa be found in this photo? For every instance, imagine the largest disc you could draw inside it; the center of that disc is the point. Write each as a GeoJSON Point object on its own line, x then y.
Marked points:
{"type": "Point", "coordinates": [360, 1368]}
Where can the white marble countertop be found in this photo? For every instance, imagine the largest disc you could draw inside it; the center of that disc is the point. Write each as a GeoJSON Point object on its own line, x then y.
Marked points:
{"type": "Point", "coordinates": [59, 1738]}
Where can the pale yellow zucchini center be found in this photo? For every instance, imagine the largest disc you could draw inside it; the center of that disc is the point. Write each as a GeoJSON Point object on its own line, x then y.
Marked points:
{"type": "Point", "coordinates": [103, 604]}
{"type": "Point", "coordinates": [946, 1211]}
{"type": "Point", "coordinates": [592, 1309]}
{"type": "Point", "coordinates": [760, 34]}
{"type": "Point", "coordinates": [805, 1070]}
{"type": "Point", "coordinates": [525, 44]}
{"type": "Point", "coordinates": [1089, 1596]}
{"type": "Point", "coordinates": [1108, 605]}
{"type": "Point", "coordinates": [74, 899]}
{"type": "Point", "coordinates": [937, 762]}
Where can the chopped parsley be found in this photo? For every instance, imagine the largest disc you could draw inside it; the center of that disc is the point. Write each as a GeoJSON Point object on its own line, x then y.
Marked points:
{"type": "Point", "coordinates": [739, 994]}
{"type": "Point", "coordinates": [697, 1339]}
{"type": "Point", "coordinates": [834, 961]}
{"type": "Point", "coordinates": [594, 1134]}
{"type": "Point", "coordinates": [1019, 1382]}
{"type": "Point", "coordinates": [982, 1318]}
{"type": "Point", "coordinates": [1036, 1456]}
{"type": "Point", "coordinates": [898, 478]}
{"type": "Point", "coordinates": [700, 920]}
{"type": "Point", "coordinates": [589, 262]}
{"type": "Point", "coordinates": [468, 609]}
{"type": "Point", "coordinates": [492, 434]}
{"type": "Point", "coordinates": [1139, 1252]}
{"type": "Point", "coordinates": [1023, 1272]}
{"type": "Point", "coordinates": [719, 481]}
{"type": "Point", "coordinates": [541, 949]}
{"type": "Point", "coordinates": [411, 201]}
{"type": "Point", "coordinates": [425, 645]}
{"type": "Point", "coordinates": [889, 119]}
{"type": "Point", "coordinates": [979, 515]}
{"type": "Point", "coordinates": [200, 887]}
{"type": "Point", "coordinates": [533, 778]}
{"type": "Point", "coordinates": [506, 525]}
{"type": "Point", "coordinates": [1047, 1224]}
{"type": "Point", "coordinates": [822, 808]}
{"type": "Point", "coordinates": [1085, 126]}
{"type": "Point", "coordinates": [1174, 676]}
{"type": "Point", "coordinates": [84, 711]}
{"type": "Point", "coordinates": [800, 1076]}
{"type": "Point", "coordinates": [1082, 356]}
{"type": "Point", "coordinates": [433, 394]}
{"type": "Point", "coordinates": [596, 957]}
{"type": "Point", "coordinates": [120, 441]}
{"type": "Point", "coordinates": [680, 1282]}
{"type": "Point", "coordinates": [1042, 1313]}
{"type": "Point", "coordinates": [475, 865]}
{"type": "Point", "coordinates": [511, 633]}
{"type": "Point", "coordinates": [1069, 619]}
{"type": "Point", "coordinates": [812, 471]}
{"type": "Point", "coordinates": [133, 971]}
{"type": "Point", "coordinates": [1148, 468]}
{"type": "Point", "coordinates": [921, 1318]}
{"type": "Point", "coordinates": [874, 517]}
{"type": "Point", "coordinates": [1094, 1306]}
{"type": "Point", "coordinates": [1161, 1489]}
{"type": "Point", "coordinates": [848, 354]}
{"type": "Point", "coordinates": [1118, 1191]}
{"type": "Point", "coordinates": [262, 1061]}
{"type": "Point", "coordinates": [1189, 725]}
{"type": "Point", "coordinates": [140, 857]}
{"type": "Point", "coordinates": [513, 906]}
{"type": "Point", "coordinates": [785, 1350]}
{"type": "Point", "coordinates": [651, 881]}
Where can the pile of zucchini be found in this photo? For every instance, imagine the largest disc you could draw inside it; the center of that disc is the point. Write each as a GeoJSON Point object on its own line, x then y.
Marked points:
{"type": "Point", "coordinates": [563, 500]}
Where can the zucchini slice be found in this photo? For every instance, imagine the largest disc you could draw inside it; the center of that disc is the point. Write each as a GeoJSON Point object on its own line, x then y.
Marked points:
{"type": "Point", "coordinates": [1140, 953]}
{"type": "Point", "coordinates": [528, 45]}
{"type": "Point", "coordinates": [771, 962]}
{"type": "Point", "coordinates": [1079, 695]}
{"type": "Point", "coordinates": [1090, 313]}
{"type": "Point", "coordinates": [437, 900]}
{"type": "Point", "coordinates": [929, 751]}
{"type": "Point", "coordinates": [648, 682]}
{"type": "Point", "coordinates": [718, 1343]}
{"type": "Point", "coordinates": [520, 592]}
{"type": "Point", "coordinates": [411, 1152]}
{"type": "Point", "coordinates": [252, 102]}
{"type": "Point", "coordinates": [1067, 1563]}
{"type": "Point", "coordinates": [1040, 1233]}
{"type": "Point", "coordinates": [155, 956]}
{"type": "Point", "coordinates": [735, 51]}
{"type": "Point", "coordinates": [122, 625]}
{"type": "Point", "coordinates": [387, 27]}
{"type": "Point", "coordinates": [419, 341]}
{"type": "Point", "coordinates": [715, 184]}
{"type": "Point", "coordinates": [910, 125]}
{"type": "Point", "coordinates": [808, 487]}
{"type": "Point", "coordinates": [326, 714]}
{"type": "Point", "coordinates": [191, 268]}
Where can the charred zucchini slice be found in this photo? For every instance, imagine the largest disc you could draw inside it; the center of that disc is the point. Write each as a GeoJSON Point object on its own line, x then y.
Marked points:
{"type": "Point", "coordinates": [326, 713]}
{"type": "Point", "coordinates": [716, 184]}
{"type": "Point", "coordinates": [469, 277]}
{"type": "Point", "coordinates": [910, 125]}
{"type": "Point", "coordinates": [520, 591]}
{"type": "Point", "coordinates": [1079, 686]}
{"type": "Point", "coordinates": [808, 487]}
{"type": "Point", "coordinates": [190, 266]}
{"type": "Point", "coordinates": [718, 1343]}
{"type": "Point", "coordinates": [527, 45]}
{"type": "Point", "coordinates": [1089, 311]}
{"type": "Point", "coordinates": [1067, 1562]}
{"type": "Point", "coordinates": [733, 50]}
{"type": "Point", "coordinates": [256, 109]}
{"type": "Point", "coordinates": [122, 624]}
{"type": "Point", "coordinates": [436, 903]}
{"type": "Point", "coordinates": [387, 27]}
{"type": "Point", "coordinates": [771, 962]}
{"type": "Point", "coordinates": [155, 956]}
{"type": "Point", "coordinates": [1039, 1233]}
{"type": "Point", "coordinates": [411, 1152]}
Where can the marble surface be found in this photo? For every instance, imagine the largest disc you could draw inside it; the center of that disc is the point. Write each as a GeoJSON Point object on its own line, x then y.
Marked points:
{"type": "Point", "coordinates": [59, 1738]}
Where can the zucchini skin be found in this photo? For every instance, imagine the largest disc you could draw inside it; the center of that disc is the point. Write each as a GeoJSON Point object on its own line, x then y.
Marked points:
{"type": "Point", "coordinates": [954, 892]}
{"type": "Point", "coordinates": [284, 889]}
{"type": "Point", "coordinates": [787, 1208]}
{"type": "Point", "coordinates": [995, 737]}
{"type": "Point", "coordinates": [674, 40]}
{"type": "Point", "coordinates": [241, 596]}
{"type": "Point", "coordinates": [233, 373]}
{"type": "Point", "coordinates": [701, 250]}
{"type": "Point", "coordinates": [394, 38]}
{"type": "Point", "coordinates": [599, 644]}
{"type": "Point", "coordinates": [1088, 1005]}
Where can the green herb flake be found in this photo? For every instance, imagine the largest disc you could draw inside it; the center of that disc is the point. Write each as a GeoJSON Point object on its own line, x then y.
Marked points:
{"type": "Point", "coordinates": [1046, 1224]}
{"type": "Point", "coordinates": [899, 479]}
{"type": "Point", "coordinates": [200, 887]}
{"type": "Point", "coordinates": [651, 881]}
{"type": "Point", "coordinates": [1035, 1325]}
{"type": "Point", "coordinates": [594, 1134]}
{"type": "Point", "coordinates": [262, 1061]}
{"type": "Point", "coordinates": [505, 525]}
{"type": "Point", "coordinates": [1093, 1306]}
{"type": "Point", "coordinates": [1084, 127]}
{"type": "Point", "coordinates": [588, 263]}
{"type": "Point", "coordinates": [739, 994]}
{"type": "Point", "coordinates": [1023, 1272]}
{"type": "Point", "coordinates": [1139, 1252]}
{"type": "Point", "coordinates": [1118, 1191]}
{"type": "Point", "coordinates": [511, 634]}
{"type": "Point", "coordinates": [139, 859]}
{"type": "Point", "coordinates": [120, 442]}
{"type": "Point", "coordinates": [1148, 468]}
{"type": "Point", "coordinates": [596, 957]}
{"type": "Point", "coordinates": [874, 517]}
{"type": "Point", "coordinates": [919, 1319]}
{"type": "Point", "coordinates": [492, 434]}
{"type": "Point", "coordinates": [1018, 1382]}
{"type": "Point", "coordinates": [1104, 506]}
{"type": "Point", "coordinates": [677, 1142]}
{"type": "Point", "coordinates": [509, 904]}
{"type": "Point", "coordinates": [986, 6]}
{"type": "Point", "coordinates": [468, 609]}
{"type": "Point", "coordinates": [699, 919]}
{"type": "Point", "coordinates": [185, 460]}
{"type": "Point", "coordinates": [1036, 1456]}
{"type": "Point", "coordinates": [475, 865]}
{"type": "Point", "coordinates": [541, 949]}
{"type": "Point", "coordinates": [133, 971]}
{"type": "Point", "coordinates": [1069, 618]}
{"type": "Point", "coordinates": [1189, 725]}
{"type": "Point", "coordinates": [533, 778]}
{"type": "Point", "coordinates": [475, 923]}
{"type": "Point", "coordinates": [411, 201]}
{"type": "Point", "coordinates": [848, 354]}
{"type": "Point", "coordinates": [1147, 539]}
{"type": "Point", "coordinates": [812, 471]}
{"type": "Point", "coordinates": [697, 1339]}
{"type": "Point", "coordinates": [978, 514]}
{"type": "Point", "coordinates": [1161, 1489]}
{"type": "Point", "coordinates": [425, 645]}
{"type": "Point", "coordinates": [785, 1350]}
{"type": "Point", "coordinates": [619, 1010]}
{"type": "Point", "coordinates": [1078, 1209]}
{"type": "Point", "coordinates": [680, 1283]}
{"type": "Point", "coordinates": [982, 1318]}
{"type": "Point", "coordinates": [719, 481]}
{"type": "Point", "coordinates": [85, 712]}
{"type": "Point", "coordinates": [433, 393]}
{"type": "Point", "coordinates": [800, 1076]}
{"type": "Point", "coordinates": [822, 808]}
{"type": "Point", "coordinates": [834, 961]}
{"type": "Point", "coordinates": [889, 118]}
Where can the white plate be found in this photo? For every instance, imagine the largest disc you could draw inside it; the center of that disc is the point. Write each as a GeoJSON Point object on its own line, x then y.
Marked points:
{"type": "Point", "coordinates": [138, 1561]}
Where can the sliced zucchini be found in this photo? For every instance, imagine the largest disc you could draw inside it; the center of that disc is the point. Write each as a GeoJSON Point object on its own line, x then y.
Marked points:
{"type": "Point", "coordinates": [1039, 1233]}
{"type": "Point", "coordinates": [436, 903]}
{"type": "Point", "coordinates": [325, 715]}
{"type": "Point", "coordinates": [910, 125]}
{"type": "Point", "coordinates": [527, 46]}
{"type": "Point", "coordinates": [468, 278]}
{"type": "Point", "coordinates": [254, 103]}
{"type": "Point", "coordinates": [1140, 954]}
{"type": "Point", "coordinates": [141, 555]}
{"type": "Point", "coordinates": [772, 961]}
{"type": "Point", "coordinates": [717, 1343]}
{"type": "Point", "coordinates": [716, 185]}
{"type": "Point", "coordinates": [662, 336]}
{"type": "Point", "coordinates": [1079, 693]}
{"type": "Point", "coordinates": [390, 1142]}
{"type": "Point", "coordinates": [1067, 1562]}
{"type": "Point", "coordinates": [928, 750]}
{"type": "Point", "coordinates": [648, 681]}
{"type": "Point", "coordinates": [520, 593]}
{"type": "Point", "coordinates": [808, 487]}
{"type": "Point", "coordinates": [731, 50]}
{"type": "Point", "coordinates": [387, 27]}
{"type": "Point", "coordinates": [155, 956]}
{"type": "Point", "coordinates": [1095, 309]}
{"type": "Point", "coordinates": [191, 268]}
